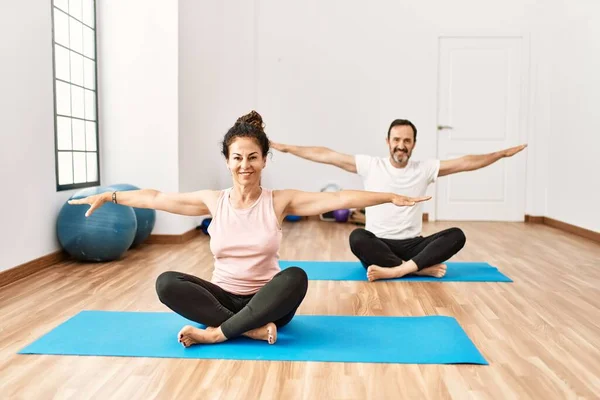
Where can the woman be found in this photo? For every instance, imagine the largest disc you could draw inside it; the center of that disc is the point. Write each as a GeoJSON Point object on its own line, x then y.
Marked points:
{"type": "Point", "coordinates": [248, 294]}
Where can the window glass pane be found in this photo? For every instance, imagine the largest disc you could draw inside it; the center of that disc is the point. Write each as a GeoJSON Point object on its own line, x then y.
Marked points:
{"type": "Point", "coordinates": [89, 72]}
{"type": "Point", "coordinates": [62, 67]}
{"type": "Point", "coordinates": [79, 165]}
{"type": "Point", "coordinates": [62, 4]}
{"type": "Point", "coordinates": [65, 168]}
{"type": "Point", "coordinates": [77, 102]}
{"type": "Point", "coordinates": [90, 105]}
{"type": "Point", "coordinates": [90, 136]}
{"type": "Point", "coordinates": [89, 47]}
{"type": "Point", "coordinates": [76, 69]}
{"type": "Point", "coordinates": [92, 167]}
{"type": "Point", "coordinates": [76, 35]}
{"type": "Point", "coordinates": [61, 28]}
{"type": "Point", "coordinates": [88, 12]}
{"type": "Point", "coordinates": [75, 8]}
{"type": "Point", "coordinates": [78, 134]}
{"type": "Point", "coordinates": [63, 98]}
{"type": "Point", "coordinates": [63, 133]}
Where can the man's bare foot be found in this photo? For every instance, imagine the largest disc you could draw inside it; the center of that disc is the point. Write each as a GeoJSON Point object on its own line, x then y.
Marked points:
{"type": "Point", "coordinates": [190, 335]}
{"type": "Point", "coordinates": [267, 333]}
{"type": "Point", "coordinates": [375, 272]}
{"type": "Point", "coordinates": [437, 271]}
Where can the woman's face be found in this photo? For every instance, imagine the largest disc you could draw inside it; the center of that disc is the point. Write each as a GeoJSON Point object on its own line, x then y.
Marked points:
{"type": "Point", "coordinates": [246, 161]}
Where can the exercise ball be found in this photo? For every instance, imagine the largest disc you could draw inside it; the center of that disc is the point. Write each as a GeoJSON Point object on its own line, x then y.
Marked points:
{"type": "Point", "coordinates": [204, 225]}
{"type": "Point", "coordinates": [341, 215]}
{"type": "Point", "coordinates": [293, 218]}
{"type": "Point", "coordinates": [103, 236]}
{"type": "Point", "coordinates": [146, 217]}
{"type": "Point", "coordinates": [330, 187]}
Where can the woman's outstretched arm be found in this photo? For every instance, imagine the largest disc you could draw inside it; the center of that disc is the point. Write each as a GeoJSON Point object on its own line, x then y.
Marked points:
{"type": "Point", "coordinates": [296, 202]}
{"type": "Point", "coordinates": [191, 203]}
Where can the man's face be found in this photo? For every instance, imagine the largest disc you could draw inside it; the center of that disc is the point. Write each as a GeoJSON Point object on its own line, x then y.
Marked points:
{"type": "Point", "coordinates": [401, 143]}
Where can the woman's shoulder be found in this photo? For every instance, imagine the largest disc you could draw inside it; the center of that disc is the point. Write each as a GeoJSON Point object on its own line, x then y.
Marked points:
{"type": "Point", "coordinates": [277, 194]}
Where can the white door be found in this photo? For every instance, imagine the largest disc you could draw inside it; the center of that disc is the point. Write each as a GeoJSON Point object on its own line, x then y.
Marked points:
{"type": "Point", "coordinates": [480, 102]}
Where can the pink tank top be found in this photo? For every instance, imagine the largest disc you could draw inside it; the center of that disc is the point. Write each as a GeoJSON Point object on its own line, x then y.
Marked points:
{"type": "Point", "coordinates": [245, 244]}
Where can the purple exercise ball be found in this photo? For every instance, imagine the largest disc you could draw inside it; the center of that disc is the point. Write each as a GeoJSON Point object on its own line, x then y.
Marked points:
{"type": "Point", "coordinates": [341, 215]}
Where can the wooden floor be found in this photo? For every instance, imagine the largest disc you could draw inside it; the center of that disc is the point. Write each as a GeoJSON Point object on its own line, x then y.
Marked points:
{"type": "Point", "coordinates": [540, 334]}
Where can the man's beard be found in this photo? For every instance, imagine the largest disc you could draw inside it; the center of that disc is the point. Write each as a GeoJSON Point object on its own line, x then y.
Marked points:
{"type": "Point", "coordinates": [398, 156]}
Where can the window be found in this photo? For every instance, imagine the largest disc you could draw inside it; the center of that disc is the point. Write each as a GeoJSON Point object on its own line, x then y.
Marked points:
{"type": "Point", "coordinates": [75, 94]}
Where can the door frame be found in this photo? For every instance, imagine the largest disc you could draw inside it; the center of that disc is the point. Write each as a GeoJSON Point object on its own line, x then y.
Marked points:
{"type": "Point", "coordinates": [527, 101]}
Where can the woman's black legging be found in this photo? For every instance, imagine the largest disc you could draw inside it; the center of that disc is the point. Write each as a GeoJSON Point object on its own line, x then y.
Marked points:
{"type": "Point", "coordinates": [206, 303]}
{"type": "Point", "coordinates": [424, 251]}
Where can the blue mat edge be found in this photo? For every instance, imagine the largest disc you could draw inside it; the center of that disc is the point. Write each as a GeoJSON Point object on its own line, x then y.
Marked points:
{"type": "Point", "coordinates": [483, 361]}
{"type": "Point", "coordinates": [412, 278]}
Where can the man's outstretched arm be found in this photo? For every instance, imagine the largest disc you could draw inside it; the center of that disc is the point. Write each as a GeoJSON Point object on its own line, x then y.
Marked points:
{"type": "Point", "coordinates": [473, 162]}
{"type": "Point", "coordinates": [322, 155]}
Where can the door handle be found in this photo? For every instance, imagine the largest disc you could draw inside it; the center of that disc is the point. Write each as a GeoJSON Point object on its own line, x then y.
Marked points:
{"type": "Point", "coordinates": [440, 127]}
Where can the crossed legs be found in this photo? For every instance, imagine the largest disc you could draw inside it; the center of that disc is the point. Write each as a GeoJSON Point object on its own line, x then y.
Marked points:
{"type": "Point", "coordinates": [385, 258]}
{"type": "Point", "coordinates": [227, 315]}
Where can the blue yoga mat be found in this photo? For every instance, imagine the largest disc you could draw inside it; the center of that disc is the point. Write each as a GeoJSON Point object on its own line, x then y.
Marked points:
{"type": "Point", "coordinates": [354, 271]}
{"type": "Point", "coordinates": [365, 339]}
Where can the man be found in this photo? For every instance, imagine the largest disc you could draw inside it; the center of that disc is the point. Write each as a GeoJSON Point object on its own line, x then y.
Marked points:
{"type": "Point", "coordinates": [391, 244]}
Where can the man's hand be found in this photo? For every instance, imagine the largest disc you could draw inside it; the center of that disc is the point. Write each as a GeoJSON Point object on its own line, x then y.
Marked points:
{"type": "Point", "coordinates": [513, 150]}
{"type": "Point", "coordinates": [278, 146]}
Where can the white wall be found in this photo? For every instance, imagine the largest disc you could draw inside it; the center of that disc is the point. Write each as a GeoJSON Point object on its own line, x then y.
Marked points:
{"type": "Point", "coordinates": [216, 85]}
{"type": "Point", "coordinates": [337, 73]}
{"type": "Point", "coordinates": [138, 99]}
{"type": "Point", "coordinates": [237, 65]}
{"type": "Point", "coordinates": [574, 131]}
{"type": "Point", "coordinates": [174, 77]}
{"type": "Point", "coordinates": [29, 202]}
{"type": "Point", "coordinates": [540, 76]}
{"type": "Point", "coordinates": [198, 42]}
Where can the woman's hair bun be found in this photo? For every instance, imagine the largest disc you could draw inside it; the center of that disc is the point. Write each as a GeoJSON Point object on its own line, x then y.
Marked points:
{"type": "Point", "coordinates": [252, 118]}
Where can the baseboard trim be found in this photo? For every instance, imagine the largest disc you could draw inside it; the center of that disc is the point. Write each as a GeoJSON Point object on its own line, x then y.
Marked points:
{"type": "Point", "coordinates": [29, 268]}
{"type": "Point", "coordinates": [577, 230]}
{"type": "Point", "coordinates": [173, 239]}
{"type": "Point", "coordinates": [534, 219]}
{"type": "Point", "coordinates": [574, 229]}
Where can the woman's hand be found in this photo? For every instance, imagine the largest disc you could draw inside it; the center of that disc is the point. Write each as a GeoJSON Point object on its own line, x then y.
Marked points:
{"type": "Point", "coordinates": [96, 201]}
{"type": "Point", "coordinates": [400, 200]}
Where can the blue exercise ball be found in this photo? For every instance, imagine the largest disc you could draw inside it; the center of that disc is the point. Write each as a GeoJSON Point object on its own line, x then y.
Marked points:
{"type": "Point", "coordinates": [293, 218]}
{"type": "Point", "coordinates": [103, 236]}
{"type": "Point", "coordinates": [146, 217]}
{"type": "Point", "coordinates": [204, 225]}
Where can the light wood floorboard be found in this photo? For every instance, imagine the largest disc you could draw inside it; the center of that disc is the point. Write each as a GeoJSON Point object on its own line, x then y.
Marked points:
{"type": "Point", "coordinates": [540, 334]}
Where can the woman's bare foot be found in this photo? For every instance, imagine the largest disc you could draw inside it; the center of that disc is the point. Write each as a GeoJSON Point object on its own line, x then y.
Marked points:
{"type": "Point", "coordinates": [267, 333]}
{"type": "Point", "coordinates": [437, 271]}
{"type": "Point", "coordinates": [190, 335]}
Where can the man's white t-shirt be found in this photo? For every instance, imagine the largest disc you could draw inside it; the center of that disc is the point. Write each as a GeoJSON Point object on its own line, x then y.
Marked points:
{"type": "Point", "coordinates": [389, 221]}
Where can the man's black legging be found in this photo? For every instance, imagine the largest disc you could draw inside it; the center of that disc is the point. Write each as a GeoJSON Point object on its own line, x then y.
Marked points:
{"type": "Point", "coordinates": [206, 303]}
{"type": "Point", "coordinates": [424, 251]}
